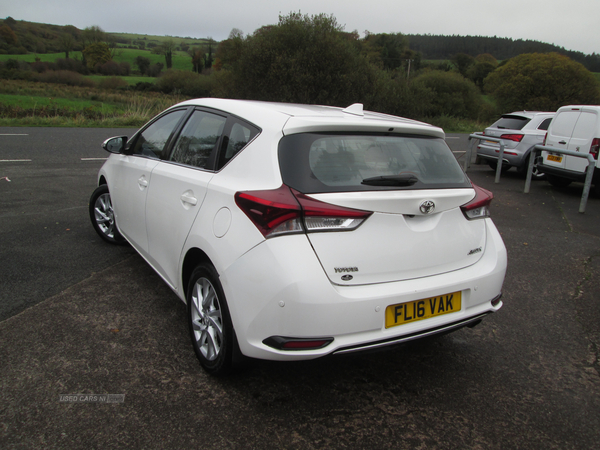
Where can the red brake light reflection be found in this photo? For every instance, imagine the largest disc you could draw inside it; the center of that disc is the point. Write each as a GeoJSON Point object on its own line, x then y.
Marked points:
{"type": "Point", "coordinates": [478, 208]}
{"type": "Point", "coordinates": [595, 148]}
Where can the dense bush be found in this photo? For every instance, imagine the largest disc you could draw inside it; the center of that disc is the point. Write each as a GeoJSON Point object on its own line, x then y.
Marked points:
{"type": "Point", "coordinates": [392, 94]}
{"type": "Point", "coordinates": [543, 82]}
{"type": "Point", "coordinates": [73, 65]}
{"type": "Point", "coordinates": [451, 95]}
{"type": "Point", "coordinates": [113, 83]}
{"type": "Point", "coordinates": [302, 59]}
{"type": "Point", "coordinates": [185, 83]}
{"type": "Point", "coordinates": [154, 70]}
{"type": "Point", "coordinates": [64, 77]}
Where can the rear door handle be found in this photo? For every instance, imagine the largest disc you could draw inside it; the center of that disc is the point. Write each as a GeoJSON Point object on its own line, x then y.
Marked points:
{"type": "Point", "coordinates": [189, 198]}
{"type": "Point", "coordinates": [142, 181]}
{"type": "Point", "coordinates": [562, 142]}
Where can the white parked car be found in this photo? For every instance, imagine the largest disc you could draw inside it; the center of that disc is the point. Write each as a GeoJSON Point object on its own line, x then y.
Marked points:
{"type": "Point", "coordinates": [294, 232]}
{"type": "Point", "coordinates": [520, 132]}
{"type": "Point", "coordinates": [575, 128]}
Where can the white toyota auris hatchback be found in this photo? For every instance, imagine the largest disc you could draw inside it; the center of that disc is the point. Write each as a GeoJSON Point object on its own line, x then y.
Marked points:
{"type": "Point", "coordinates": [295, 231]}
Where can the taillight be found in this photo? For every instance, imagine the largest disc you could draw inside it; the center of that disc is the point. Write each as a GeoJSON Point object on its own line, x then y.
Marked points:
{"type": "Point", "coordinates": [595, 148]}
{"type": "Point", "coordinates": [512, 137]}
{"type": "Point", "coordinates": [545, 137]}
{"type": "Point", "coordinates": [286, 211]}
{"type": "Point", "coordinates": [478, 208]}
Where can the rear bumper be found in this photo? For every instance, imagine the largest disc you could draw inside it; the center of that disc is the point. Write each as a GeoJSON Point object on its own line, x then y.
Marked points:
{"type": "Point", "coordinates": [491, 153]}
{"type": "Point", "coordinates": [280, 289]}
{"type": "Point", "coordinates": [469, 322]}
{"type": "Point", "coordinates": [563, 173]}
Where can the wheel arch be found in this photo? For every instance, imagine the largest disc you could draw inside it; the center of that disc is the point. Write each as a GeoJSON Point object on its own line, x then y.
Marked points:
{"type": "Point", "coordinates": [193, 258]}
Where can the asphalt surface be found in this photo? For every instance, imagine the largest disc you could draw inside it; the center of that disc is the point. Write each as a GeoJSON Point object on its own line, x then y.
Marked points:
{"type": "Point", "coordinates": [94, 319]}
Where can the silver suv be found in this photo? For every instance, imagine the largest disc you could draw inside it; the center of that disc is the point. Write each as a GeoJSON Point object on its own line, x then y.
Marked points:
{"type": "Point", "coordinates": [520, 131]}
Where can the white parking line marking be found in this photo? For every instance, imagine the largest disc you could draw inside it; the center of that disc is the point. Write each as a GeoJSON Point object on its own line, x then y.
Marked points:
{"type": "Point", "coordinates": [15, 160]}
{"type": "Point", "coordinates": [94, 159]}
{"type": "Point", "coordinates": [14, 135]}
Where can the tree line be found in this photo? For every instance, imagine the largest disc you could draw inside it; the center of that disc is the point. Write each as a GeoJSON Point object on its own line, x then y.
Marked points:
{"type": "Point", "coordinates": [444, 47]}
{"type": "Point", "coordinates": [312, 59]}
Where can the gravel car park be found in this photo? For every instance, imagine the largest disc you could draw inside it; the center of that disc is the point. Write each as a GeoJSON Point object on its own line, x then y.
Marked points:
{"type": "Point", "coordinates": [295, 232]}
{"type": "Point", "coordinates": [520, 131]}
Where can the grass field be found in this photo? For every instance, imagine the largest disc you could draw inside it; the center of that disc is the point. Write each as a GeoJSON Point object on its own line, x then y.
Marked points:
{"type": "Point", "coordinates": [132, 80]}
{"type": "Point", "coordinates": [181, 60]}
{"type": "Point", "coordinates": [26, 103]}
{"type": "Point", "coordinates": [58, 104]}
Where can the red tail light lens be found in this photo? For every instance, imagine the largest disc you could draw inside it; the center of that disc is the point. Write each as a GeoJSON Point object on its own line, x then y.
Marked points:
{"type": "Point", "coordinates": [595, 148]}
{"type": "Point", "coordinates": [545, 137]}
{"type": "Point", "coordinates": [478, 208]}
{"type": "Point", "coordinates": [286, 211]}
{"type": "Point", "coordinates": [512, 137]}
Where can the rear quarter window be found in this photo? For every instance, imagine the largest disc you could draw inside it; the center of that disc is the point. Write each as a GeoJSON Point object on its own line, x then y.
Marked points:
{"type": "Point", "coordinates": [545, 124]}
{"type": "Point", "coordinates": [313, 163]}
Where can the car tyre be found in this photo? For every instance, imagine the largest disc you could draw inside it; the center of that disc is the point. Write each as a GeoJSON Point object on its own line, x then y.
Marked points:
{"type": "Point", "coordinates": [558, 182]}
{"type": "Point", "coordinates": [494, 164]}
{"type": "Point", "coordinates": [103, 217]}
{"type": "Point", "coordinates": [536, 174]}
{"type": "Point", "coordinates": [209, 321]}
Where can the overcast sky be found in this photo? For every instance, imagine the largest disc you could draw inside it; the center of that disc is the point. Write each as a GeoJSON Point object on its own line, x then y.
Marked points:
{"type": "Point", "coordinates": [572, 24]}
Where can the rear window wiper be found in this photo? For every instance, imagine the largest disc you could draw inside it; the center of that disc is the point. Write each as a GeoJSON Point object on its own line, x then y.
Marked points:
{"type": "Point", "coordinates": [402, 179]}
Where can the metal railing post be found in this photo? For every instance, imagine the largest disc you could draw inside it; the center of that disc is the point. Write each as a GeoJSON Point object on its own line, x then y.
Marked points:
{"type": "Point", "coordinates": [499, 165]}
{"type": "Point", "coordinates": [588, 177]}
{"type": "Point", "coordinates": [469, 154]}
{"type": "Point", "coordinates": [500, 156]}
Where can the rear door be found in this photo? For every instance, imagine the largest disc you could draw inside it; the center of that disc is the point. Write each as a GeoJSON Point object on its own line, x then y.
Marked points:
{"type": "Point", "coordinates": [178, 189]}
{"type": "Point", "coordinates": [416, 229]}
{"type": "Point", "coordinates": [559, 136]}
{"type": "Point", "coordinates": [581, 140]}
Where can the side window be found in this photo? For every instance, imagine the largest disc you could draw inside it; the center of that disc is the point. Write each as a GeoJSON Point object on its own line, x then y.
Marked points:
{"type": "Point", "coordinates": [198, 139]}
{"type": "Point", "coordinates": [237, 138]}
{"type": "Point", "coordinates": [153, 140]}
{"type": "Point", "coordinates": [545, 124]}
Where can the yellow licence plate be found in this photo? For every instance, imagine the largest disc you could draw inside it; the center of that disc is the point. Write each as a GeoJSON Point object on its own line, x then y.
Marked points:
{"type": "Point", "coordinates": [422, 309]}
{"type": "Point", "coordinates": [554, 158]}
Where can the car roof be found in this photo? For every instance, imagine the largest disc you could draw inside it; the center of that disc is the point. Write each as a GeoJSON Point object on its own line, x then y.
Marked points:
{"type": "Point", "coordinates": [529, 114]}
{"type": "Point", "coordinates": [298, 118]}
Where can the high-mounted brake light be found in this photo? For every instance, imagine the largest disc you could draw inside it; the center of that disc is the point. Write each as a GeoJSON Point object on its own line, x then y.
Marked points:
{"type": "Point", "coordinates": [287, 211]}
{"type": "Point", "coordinates": [512, 137]}
{"type": "Point", "coordinates": [478, 208]}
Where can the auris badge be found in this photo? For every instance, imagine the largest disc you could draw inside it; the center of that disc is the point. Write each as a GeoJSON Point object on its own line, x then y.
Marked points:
{"type": "Point", "coordinates": [427, 206]}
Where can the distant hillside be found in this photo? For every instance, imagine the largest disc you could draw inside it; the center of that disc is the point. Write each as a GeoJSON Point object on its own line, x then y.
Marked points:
{"type": "Point", "coordinates": [444, 47]}
{"type": "Point", "coordinates": [18, 37]}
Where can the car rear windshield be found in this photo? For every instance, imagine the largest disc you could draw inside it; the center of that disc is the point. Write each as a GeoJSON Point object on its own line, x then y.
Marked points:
{"type": "Point", "coordinates": [511, 122]}
{"type": "Point", "coordinates": [315, 162]}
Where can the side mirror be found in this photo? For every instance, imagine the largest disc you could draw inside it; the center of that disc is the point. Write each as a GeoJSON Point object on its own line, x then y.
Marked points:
{"type": "Point", "coordinates": [115, 144]}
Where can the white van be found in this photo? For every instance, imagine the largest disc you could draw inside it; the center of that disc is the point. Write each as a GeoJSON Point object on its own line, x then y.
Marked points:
{"type": "Point", "coordinates": [575, 128]}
